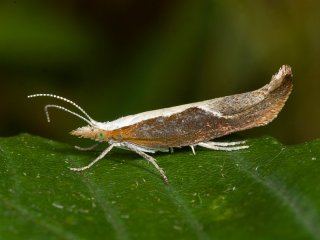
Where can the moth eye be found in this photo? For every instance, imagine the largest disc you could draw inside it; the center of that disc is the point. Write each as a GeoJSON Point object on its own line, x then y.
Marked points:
{"type": "Point", "coordinates": [100, 135]}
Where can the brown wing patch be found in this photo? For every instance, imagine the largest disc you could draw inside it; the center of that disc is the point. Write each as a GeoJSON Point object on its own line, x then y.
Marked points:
{"type": "Point", "coordinates": [180, 129]}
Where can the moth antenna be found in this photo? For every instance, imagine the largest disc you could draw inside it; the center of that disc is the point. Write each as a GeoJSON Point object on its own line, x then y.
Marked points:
{"type": "Point", "coordinates": [66, 110]}
{"type": "Point", "coordinates": [65, 100]}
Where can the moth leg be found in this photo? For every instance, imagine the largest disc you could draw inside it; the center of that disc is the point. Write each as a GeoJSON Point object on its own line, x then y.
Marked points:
{"type": "Point", "coordinates": [222, 146]}
{"type": "Point", "coordinates": [86, 148]}
{"type": "Point", "coordinates": [226, 144]}
{"type": "Point", "coordinates": [192, 148]}
{"type": "Point", "coordinates": [105, 152]}
{"type": "Point", "coordinates": [171, 150]}
{"type": "Point", "coordinates": [151, 160]}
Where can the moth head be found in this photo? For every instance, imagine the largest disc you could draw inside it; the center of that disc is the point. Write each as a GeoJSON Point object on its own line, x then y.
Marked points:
{"type": "Point", "coordinates": [90, 132]}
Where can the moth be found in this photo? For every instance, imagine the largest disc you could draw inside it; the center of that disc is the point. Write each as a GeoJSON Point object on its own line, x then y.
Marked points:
{"type": "Point", "coordinates": [195, 124]}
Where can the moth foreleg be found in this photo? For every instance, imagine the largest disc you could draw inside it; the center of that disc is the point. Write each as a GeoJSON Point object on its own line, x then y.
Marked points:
{"type": "Point", "coordinates": [86, 148]}
{"type": "Point", "coordinates": [105, 152]}
{"type": "Point", "coordinates": [149, 159]}
{"type": "Point", "coordinates": [224, 146]}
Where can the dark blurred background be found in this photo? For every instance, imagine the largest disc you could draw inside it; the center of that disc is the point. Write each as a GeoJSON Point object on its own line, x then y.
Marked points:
{"type": "Point", "coordinates": [120, 57]}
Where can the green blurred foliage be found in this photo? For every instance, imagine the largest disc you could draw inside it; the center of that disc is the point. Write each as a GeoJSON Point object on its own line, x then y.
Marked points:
{"type": "Point", "coordinates": [116, 58]}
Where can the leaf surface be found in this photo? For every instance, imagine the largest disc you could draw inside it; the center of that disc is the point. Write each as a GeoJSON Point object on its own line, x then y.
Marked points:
{"type": "Point", "coordinates": [269, 191]}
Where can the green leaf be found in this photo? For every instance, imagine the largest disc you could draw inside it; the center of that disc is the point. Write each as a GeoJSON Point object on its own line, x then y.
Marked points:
{"type": "Point", "coordinates": [269, 191]}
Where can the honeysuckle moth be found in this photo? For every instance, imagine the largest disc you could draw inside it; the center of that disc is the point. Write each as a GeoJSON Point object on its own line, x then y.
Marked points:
{"type": "Point", "coordinates": [195, 124]}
